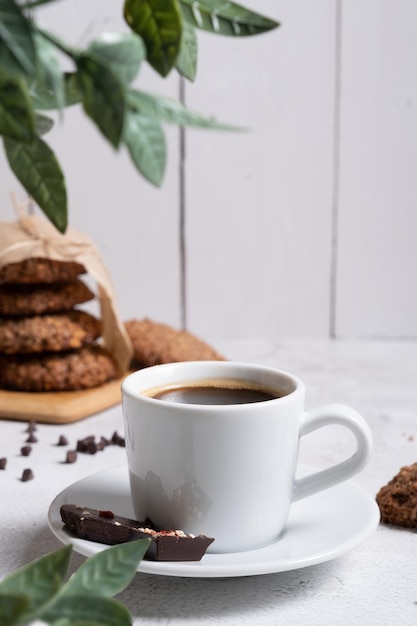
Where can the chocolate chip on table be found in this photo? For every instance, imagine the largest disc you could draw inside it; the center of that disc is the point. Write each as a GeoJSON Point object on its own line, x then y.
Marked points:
{"type": "Point", "coordinates": [71, 456]}
{"type": "Point", "coordinates": [62, 441]}
{"type": "Point", "coordinates": [117, 440]}
{"type": "Point", "coordinates": [31, 427]}
{"type": "Point", "coordinates": [100, 445]}
{"type": "Point", "coordinates": [26, 450]}
{"type": "Point", "coordinates": [31, 439]}
{"type": "Point", "coordinates": [91, 446]}
{"type": "Point", "coordinates": [27, 475]}
{"type": "Point", "coordinates": [87, 444]}
{"type": "Point", "coordinates": [3, 463]}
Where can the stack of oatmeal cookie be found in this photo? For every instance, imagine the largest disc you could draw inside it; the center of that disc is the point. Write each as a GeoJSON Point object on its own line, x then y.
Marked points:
{"type": "Point", "coordinates": [46, 344]}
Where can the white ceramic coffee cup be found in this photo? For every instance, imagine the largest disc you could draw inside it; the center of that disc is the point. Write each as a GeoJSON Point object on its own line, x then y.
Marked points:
{"type": "Point", "coordinates": [226, 471]}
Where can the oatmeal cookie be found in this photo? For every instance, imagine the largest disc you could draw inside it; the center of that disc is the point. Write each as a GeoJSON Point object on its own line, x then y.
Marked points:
{"type": "Point", "coordinates": [40, 270]}
{"type": "Point", "coordinates": [69, 371]}
{"type": "Point", "coordinates": [155, 343]}
{"type": "Point", "coordinates": [38, 299]}
{"type": "Point", "coordinates": [397, 500]}
{"type": "Point", "coordinates": [48, 333]}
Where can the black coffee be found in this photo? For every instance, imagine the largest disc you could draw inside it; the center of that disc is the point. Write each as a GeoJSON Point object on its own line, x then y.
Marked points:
{"type": "Point", "coordinates": [225, 392]}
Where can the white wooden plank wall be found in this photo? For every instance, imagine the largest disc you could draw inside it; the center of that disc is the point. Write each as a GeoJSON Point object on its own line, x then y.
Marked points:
{"type": "Point", "coordinates": [377, 251]}
{"type": "Point", "coordinates": [303, 226]}
{"type": "Point", "coordinates": [259, 209]}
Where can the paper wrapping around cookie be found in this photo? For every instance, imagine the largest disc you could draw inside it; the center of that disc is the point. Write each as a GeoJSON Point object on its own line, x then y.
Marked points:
{"type": "Point", "coordinates": [33, 236]}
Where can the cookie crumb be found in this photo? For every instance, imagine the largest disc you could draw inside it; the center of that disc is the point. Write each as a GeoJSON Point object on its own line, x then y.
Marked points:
{"type": "Point", "coordinates": [71, 456]}
{"type": "Point", "coordinates": [397, 500]}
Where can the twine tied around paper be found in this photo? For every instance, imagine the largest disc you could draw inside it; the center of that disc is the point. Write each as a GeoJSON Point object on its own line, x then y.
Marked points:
{"type": "Point", "coordinates": [32, 236]}
{"type": "Point", "coordinates": [46, 234]}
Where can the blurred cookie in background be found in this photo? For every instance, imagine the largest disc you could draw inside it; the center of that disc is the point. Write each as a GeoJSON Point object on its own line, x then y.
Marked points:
{"type": "Point", "coordinates": [155, 343]}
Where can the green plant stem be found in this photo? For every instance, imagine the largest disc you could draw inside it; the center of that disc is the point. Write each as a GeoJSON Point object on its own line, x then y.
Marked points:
{"type": "Point", "coordinates": [34, 4]}
{"type": "Point", "coordinates": [71, 52]}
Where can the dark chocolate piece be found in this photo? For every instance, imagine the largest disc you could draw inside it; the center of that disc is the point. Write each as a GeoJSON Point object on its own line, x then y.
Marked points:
{"type": "Point", "coordinates": [26, 450]}
{"type": "Point", "coordinates": [3, 463]}
{"type": "Point", "coordinates": [62, 441]}
{"type": "Point", "coordinates": [108, 528]}
{"type": "Point", "coordinates": [31, 427]}
{"type": "Point", "coordinates": [32, 439]}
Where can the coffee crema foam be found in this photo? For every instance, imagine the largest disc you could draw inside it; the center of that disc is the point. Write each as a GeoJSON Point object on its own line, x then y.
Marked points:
{"type": "Point", "coordinates": [214, 391]}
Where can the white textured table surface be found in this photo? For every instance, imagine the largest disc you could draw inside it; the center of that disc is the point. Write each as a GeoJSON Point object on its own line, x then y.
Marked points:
{"type": "Point", "coordinates": [376, 583]}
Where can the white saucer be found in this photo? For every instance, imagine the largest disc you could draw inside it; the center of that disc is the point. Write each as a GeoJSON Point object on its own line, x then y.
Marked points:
{"type": "Point", "coordinates": [320, 528]}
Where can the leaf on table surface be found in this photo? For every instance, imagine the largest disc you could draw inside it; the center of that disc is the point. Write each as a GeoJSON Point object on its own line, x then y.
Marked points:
{"type": "Point", "coordinates": [145, 141]}
{"type": "Point", "coordinates": [17, 48]}
{"type": "Point", "coordinates": [225, 18]}
{"type": "Point", "coordinates": [12, 607]}
{"type": "Point", "coordinates": [159, 23]}
{"type": "Point", "coordinates": [87, 611]}
{"type": "Point", "coordinates": [107, 572]}
{"type": "Point", "coordinates": [186, 62]}
{"type": "Point", "coordinates": [103, 96]}
{"type": "Point", "coordinates": [38, 581]}
{"type": "Point", "coordinates": [122, 52]}
{"type": "Point", "coordinates": [37, 168]}
{"type": "Point", "coordinates": [16, 113]}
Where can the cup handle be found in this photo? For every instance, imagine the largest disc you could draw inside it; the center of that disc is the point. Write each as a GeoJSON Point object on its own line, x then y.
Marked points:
{"type": "Point", "coordinates": [324, 416]}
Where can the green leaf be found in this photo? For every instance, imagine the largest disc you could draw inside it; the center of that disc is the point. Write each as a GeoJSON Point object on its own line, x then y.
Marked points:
{"type": "Point", "coordinates": [12, 606]}
{"type": "Point", "coordinates": [39, 580]}
{"type": "Point", "coordinates": [35, 3]}
{"type": "Point", "coordinates": [145, 141]}
{"type": "Point", "coordinates": [171, 111]}
{"type": "Point", "coordinates": [123, 53]}
{"type": "Point", "coordinates": [37, 168]}
{"type": "Point", "coordinates": [44, 98]}
{"type": "Point", "coordinates": [225, 18]}
{"type": "Point", "coordinates": [49, 71]}
{"type": "Point", "coordinates": [17, 49]}
{"type": "Point", "coordinates": [16, 113]}
{"type": "Point", "coordinates": [103, 96]}
{"type": "Point", "coordinates": [159, 24]}
{"type": "Point", "coordinates": [43, 124]}
{"type": "Point", "coordinates": [107, 572]}
{"type": "Point", "coordinates": [186, 62]}
{"type": "Point", "coordinates": [83, 610]}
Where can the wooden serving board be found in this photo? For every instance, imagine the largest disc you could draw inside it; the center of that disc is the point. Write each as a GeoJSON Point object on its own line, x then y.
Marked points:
{"type": "Point", "coordinates": [59, 407]}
